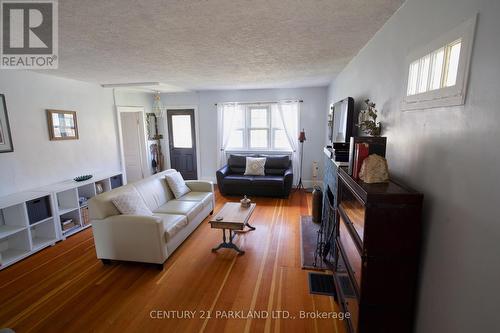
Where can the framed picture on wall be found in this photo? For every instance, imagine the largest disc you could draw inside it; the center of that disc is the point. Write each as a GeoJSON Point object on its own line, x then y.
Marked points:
{"type": "Point", "coordinates": [62, 125]}
{"type": "Point", "coordinates": [6, 145]}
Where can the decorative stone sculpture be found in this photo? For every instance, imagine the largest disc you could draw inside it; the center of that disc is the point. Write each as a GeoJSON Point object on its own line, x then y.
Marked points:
{"type": "Point", "coordinates": [374, 170]}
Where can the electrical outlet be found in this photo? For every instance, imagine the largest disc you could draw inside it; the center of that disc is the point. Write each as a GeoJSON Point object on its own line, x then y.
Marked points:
{"type": "Point", "coordinates": [315, 169]}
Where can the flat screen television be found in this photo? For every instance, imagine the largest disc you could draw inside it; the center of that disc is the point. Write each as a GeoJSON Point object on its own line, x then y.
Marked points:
{"type": "Point", "coordinates": [341, 121]}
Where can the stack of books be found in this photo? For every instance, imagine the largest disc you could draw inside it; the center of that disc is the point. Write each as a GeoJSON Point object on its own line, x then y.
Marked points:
{"type": "Point", "coordinates": [360, 148]}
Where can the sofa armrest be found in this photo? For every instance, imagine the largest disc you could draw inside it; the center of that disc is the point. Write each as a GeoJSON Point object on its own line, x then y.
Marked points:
{"type": "Point", "coordinates": [288, 175]}
{"type": "Point", "coordinates": [221, 174]}
{"type": "Point", "coordinates": [130, 237]}
{"type": "Point", "coordinates": [200, 186]}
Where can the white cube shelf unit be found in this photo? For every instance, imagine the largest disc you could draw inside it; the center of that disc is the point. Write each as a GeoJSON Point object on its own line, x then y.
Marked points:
{"type": "Point", "coordinates": [70, 199]}
{"type": "Point", "coordinates": [27, 225]}
{"type": "Point", "coordinates": [33, 220]}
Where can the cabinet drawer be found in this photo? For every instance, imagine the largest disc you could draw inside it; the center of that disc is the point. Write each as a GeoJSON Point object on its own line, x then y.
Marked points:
{"type": "Point", "coordinates": [350, 252]}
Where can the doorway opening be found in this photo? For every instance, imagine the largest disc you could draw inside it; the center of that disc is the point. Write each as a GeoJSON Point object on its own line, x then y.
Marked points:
{"type": "Point", "coordinates": [132, 131]}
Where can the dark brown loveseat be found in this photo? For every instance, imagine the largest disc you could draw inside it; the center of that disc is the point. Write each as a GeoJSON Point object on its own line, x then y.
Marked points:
{"type": "Point", "coordinates": [277, 181]}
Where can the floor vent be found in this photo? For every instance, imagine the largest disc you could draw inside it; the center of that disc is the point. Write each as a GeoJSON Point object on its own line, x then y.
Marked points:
{"type": "Point", "coordinates": [321, 284]}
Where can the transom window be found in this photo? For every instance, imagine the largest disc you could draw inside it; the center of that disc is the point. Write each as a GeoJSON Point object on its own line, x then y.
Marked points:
{"type": "Point", "coordinates": [435, 70]}
{"type": "Point", "coordinates": [256, 127]}
{"type": "Point", "coordinates": [437, 73]}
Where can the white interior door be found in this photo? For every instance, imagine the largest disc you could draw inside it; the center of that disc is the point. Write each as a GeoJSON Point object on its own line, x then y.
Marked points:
{"type": "Point", "coordinates": [132, 145]}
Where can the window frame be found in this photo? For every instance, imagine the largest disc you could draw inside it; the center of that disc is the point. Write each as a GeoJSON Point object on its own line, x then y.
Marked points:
{"type": "Point", "coordinates": [248, 129]}
{"type": "Point", "coordinates": [446, 96]}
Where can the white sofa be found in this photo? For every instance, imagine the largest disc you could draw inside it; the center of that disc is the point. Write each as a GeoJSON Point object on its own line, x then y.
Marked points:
{"type": "Point", "coordinates": [150, 239]}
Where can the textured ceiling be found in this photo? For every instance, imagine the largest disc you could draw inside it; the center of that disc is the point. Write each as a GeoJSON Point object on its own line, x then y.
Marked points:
{"type": "Point", "coordinates": [215, 44]}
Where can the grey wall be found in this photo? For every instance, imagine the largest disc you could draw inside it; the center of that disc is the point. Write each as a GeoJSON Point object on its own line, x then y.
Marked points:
{"type": "Point", "coordinates": [452, 155]}
{"type": "Point", "coordinates": [36, 161]}
{"type": "Point", "coordinates": [313, 120]}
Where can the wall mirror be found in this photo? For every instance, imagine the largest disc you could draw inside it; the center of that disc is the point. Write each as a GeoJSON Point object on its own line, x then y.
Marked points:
{"type": "Point", "coordinates": [152, 126]}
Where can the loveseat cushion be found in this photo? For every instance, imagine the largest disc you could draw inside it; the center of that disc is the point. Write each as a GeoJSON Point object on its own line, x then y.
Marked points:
{"type": "Point", "coordinates": [276, 164]}
{"type": "Point", "coordinates": [178, 207]}
{"type": "Point", "coordinates": [272, 183]}
{"type": "Point", "coordinates": [237, 179]}
{"type": "Point", "coordinates": [206, 198]}
{"type": "Point", "coordinates": [172, 224]}
{"type": "Point", "coordinates": [237, 163]}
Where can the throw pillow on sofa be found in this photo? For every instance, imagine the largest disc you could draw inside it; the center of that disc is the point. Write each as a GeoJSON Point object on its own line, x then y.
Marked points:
{"type": "Point", "coordinates": [131, 203]}
{"type": "Point", "coordinates": [255, 166]}
{"type": "Point", "coordinates": [177, 184]}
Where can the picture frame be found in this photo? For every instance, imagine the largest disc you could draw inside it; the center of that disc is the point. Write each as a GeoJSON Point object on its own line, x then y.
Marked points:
{"type": "Point", "coordinates": [63, 125]}
{"type": "Point", "coordinates": [6, 145]}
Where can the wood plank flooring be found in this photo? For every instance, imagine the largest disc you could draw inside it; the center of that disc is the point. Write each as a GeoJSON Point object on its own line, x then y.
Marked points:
{"type": "Point", "coordinates": [65, 288]}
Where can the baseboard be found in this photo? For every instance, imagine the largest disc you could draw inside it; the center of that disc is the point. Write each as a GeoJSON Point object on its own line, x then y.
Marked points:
{"type": "Point", "coordinates": [311, 183]}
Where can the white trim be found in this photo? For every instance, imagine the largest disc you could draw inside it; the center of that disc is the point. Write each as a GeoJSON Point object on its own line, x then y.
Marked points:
{"type": "Point", "coordinates": [143, 132]}
{"type": "Point", "coordinates": [449, 96]}
{"type": "Point", "coordinates": [197, 134]}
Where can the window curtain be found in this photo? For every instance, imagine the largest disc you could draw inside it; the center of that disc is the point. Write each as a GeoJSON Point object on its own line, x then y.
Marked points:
{"type": "Point", "coordinates": [289, 112]}
{"type": "Point", "coordinates": [225, 126]}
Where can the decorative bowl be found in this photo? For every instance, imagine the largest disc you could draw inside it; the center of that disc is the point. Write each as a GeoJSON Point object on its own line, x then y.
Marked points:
{"type": "Point", "coordinates": [82, 178]}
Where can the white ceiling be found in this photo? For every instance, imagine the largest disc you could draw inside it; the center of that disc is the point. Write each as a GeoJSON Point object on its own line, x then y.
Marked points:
{"type": "Point", "coordinates": [215, 44]}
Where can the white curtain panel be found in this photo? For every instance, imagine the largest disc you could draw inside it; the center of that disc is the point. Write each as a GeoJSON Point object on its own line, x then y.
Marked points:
{"type": "Point", "coordinates": [225, 126]}
{"type": "Point", "coordinates": [290, 114]}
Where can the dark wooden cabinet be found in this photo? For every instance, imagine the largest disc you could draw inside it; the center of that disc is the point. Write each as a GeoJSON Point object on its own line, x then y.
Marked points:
{"type": "Point", "coordinates": [377, 247]}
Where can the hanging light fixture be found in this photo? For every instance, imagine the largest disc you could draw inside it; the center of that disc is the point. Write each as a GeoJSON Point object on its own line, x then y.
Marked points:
{"type": "Point", "coordinates": [158, 108]}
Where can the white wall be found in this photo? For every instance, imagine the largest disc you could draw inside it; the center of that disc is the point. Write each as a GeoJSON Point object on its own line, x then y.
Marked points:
{"type": "Point", "coordinates": [452, 155]}
{"type": "Point", "coordinates": [132, 98]}
{"type": "Point", "coordinates": [36, 160]}
{"type": "Point", "coordinates": [313, 120]}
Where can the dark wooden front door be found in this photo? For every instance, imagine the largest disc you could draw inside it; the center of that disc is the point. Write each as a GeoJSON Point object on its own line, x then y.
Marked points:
{"type": "Point", "coordinates": [182, 142]}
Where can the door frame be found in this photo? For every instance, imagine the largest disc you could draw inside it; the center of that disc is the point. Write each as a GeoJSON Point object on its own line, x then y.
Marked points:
{"type": "Point", "coordinates": [196, 130]}
{"type": "Point", "coordinates": [142, 127]}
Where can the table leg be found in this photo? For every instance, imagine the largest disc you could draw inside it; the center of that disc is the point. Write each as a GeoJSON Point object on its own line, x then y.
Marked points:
{"type": "Point", "coordinates": [228, 245]}
{"type": "Point", "coordinates": [249, 226]}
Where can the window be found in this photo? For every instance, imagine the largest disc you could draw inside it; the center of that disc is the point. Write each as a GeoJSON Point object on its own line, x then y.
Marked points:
{"type": "Point", "coordinates": [255, 127]}
{"type": "Point", "coordinates": [181, 131]}
{"type": "Point", "coordinates": [437, 74]}
{"type": "Point", "coordinates": [435, 70]}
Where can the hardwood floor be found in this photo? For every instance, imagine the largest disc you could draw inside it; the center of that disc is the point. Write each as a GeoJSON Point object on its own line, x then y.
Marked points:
{"type": "Point", "coordinates": [65, 288]}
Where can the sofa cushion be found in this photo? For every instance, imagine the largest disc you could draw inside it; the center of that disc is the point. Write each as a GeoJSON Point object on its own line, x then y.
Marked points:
{"type": "Point", "coordinates": [131, 203]}
{"type": "Point", "coordinates": [206, 198]}
{"type": "Point", "coordinates": [255, 166]}
{"type": "Point", "coordinates": [172, 224]}
{"type": "Point", "coordinates": [178, 207]}
{"type": "Point", "coordinates": [154, 190]}
{"type": "Point", "coordinates": [177, 184]}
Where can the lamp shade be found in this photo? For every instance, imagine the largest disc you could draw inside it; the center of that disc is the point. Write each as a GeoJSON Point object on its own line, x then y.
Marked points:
{"type": "Point", "coordinates": [302, 136]}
